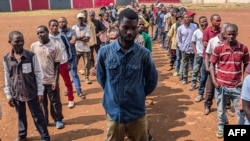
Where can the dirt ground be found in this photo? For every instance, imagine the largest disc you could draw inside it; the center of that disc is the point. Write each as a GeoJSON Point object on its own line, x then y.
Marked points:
{"type": "Point", "coordinates": [174, 116]}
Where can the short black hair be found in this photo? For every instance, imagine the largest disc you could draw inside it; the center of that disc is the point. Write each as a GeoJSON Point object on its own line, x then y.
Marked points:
{"type": "Point", "coordinates": [13, 33]}
{"type": "Point", "coordinates": [44, 27]}
{"type": "Point", "coordinates": [52, 20]}
{"type": "Point", "coordinates": [202, 17]}
{"type": "Point", "coordinates": [129, 14]}
{"type": "Point", "coordinates": [214, 15]}
{"type": "Point", "coordinates": [234, 26]}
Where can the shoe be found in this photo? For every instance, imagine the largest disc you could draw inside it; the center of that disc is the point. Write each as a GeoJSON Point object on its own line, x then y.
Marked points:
{"type": "Point", "coordinates": [150, 138]}
{"type": "Point", "coordinates": [230, 112]}
{"type": "Point", "coordinates": [170, 68]}
{"type": "Point", "coordinates": [71, 104]}
{"type": "Point", "coordinates": [192, 87]}
{"type": "Point", "coordinates": [175, 74]}
{"type": "Point", "coordinates": [87, 81]}
{"type": "Point", "coordinates": [59, 125]}
{"type": "Point", "coordinates": [184, 81]}
{"type": "Point", "coordinates": [180, 77]}
{"type": "Point", "coordinates": [189, 74]}
{"type": "Point", "coordinates": [82, 72]}
{"type": "Point", "coordinates": [19, 139]}
{"type": "Point", "coordinates": [219, 134]}
{"type": "Point", "coordinates": [81, 95]}
{"type": "Point", "coordinates": [206, 111]}
{"type": "Point", "coordinates": [198, 98]}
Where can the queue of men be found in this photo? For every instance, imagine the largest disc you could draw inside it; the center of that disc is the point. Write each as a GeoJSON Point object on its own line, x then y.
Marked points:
{"type": "Point", "coordinates": [108, 45]}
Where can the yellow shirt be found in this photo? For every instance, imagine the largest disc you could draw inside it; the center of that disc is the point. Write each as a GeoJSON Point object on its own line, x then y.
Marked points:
{"type": "Point", "coordinates": [92, 40]}
{"type": "Point", "coordinates": [172, 33]}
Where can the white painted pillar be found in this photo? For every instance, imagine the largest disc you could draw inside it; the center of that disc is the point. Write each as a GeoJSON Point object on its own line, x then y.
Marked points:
{"type": "Point", "coordinates": [11, 9]}
{"type": "Point", "coordinates": [30, 4]}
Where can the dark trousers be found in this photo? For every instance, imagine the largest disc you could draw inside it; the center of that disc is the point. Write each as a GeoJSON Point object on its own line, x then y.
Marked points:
{"type": "Point", "coordinates": [92, 57]}
{"type": "Point", "coordinates": [210, 93]}
{"type": "Point", "coordinates": [37, 115]}
{"type": "Point", "coordinates": [55, 103]}
{"type": "Point", "coordinates": [187, 58]}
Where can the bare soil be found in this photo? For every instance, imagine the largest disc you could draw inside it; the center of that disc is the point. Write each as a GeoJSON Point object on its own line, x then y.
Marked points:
{"type": "Point", "coordinates": [173, 115]}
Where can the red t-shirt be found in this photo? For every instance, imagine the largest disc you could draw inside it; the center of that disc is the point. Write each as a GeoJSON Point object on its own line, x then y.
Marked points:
{"type": "Point", "coordinates": [229, 63]}
{"type": "Point", "coordinates": [209, 33]}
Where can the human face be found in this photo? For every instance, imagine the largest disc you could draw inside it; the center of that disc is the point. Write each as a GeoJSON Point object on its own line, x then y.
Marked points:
{"type": "Point", "coordinates": [231, 35]}
{"type": "Point", "coordinates": [17, 42]}
{"type": "Point", "coordinates": [113, 36]}
{"type": "Point", "coordinates": [143, 9]}
{"type": "Point", "coordinates": [62, 23]}
{"type": "Point", "coordinates": [127, 30]}
{"type": "Point", "coordinates": [53, 27]}
{"type": "Point", "coordinates": [140, 26]}
{"type": "Point", "coordinates": [216, 21]}
{"type": "Point", "coordinates": [203, 23]}
{"type": "Point", "coordinates": [42, 34]}
{"type": "Point", "coordinates": [106, 17]}
{"type": "Point", "coordinates": [186, 19]}
{"type": "Point", "coordinates": [92, 17]}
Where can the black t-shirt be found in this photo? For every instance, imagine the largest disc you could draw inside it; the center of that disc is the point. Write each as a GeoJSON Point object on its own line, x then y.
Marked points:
{"type": "Point", "coordinates": [99, 26]}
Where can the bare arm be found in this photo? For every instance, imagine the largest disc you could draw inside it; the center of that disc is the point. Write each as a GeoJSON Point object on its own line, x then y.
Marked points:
{"type": "Point", "coordinates": [212, 73]}
{"type": "Point", "coordinates": [207, 58]}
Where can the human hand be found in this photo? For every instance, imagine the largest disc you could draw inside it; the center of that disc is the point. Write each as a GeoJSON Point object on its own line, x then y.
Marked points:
{"type": "Point", "coordinates": [93, 71]}
{"type": "Point", "coordinates": [240, 107]}
{"type": "Point", "coordinates": [40, 99]}
{"type": "Point", "coordinates": [11, 103]}
{"type": "Point", "coordinates": [53, 85]}
{"type": "Point", "coordinates": [68, 66]}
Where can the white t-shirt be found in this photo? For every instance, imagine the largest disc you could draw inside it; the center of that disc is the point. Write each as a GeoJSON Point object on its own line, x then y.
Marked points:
{"type": "Point", "coordinates": [82, 46]}
{"type": "Point", "coordinates": [197, 38]}
{"type": "Point", "coordinates": [213, 43]}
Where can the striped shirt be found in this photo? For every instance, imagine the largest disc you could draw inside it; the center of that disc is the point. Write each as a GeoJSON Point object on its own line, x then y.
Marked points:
{"type": "Point", "coordinates": [229, 63]}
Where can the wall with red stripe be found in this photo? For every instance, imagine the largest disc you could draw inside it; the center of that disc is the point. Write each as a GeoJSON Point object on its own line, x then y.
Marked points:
{"type": "Point", "coordinates": [26, 5]}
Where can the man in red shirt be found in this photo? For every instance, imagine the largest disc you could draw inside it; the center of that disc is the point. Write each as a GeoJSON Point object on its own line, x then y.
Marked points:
{"type": "Point", "coordinates": [206, 79]}
{"type": "Point", "coordinates": [229, 58]}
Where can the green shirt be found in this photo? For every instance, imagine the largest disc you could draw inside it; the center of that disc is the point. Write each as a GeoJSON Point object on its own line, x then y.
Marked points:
{"type": "Point", "coordinates": [147, 41]}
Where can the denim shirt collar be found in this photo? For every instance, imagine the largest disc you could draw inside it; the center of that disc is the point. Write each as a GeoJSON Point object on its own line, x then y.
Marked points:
{"type": "Point", "coordinates": [132, 48]}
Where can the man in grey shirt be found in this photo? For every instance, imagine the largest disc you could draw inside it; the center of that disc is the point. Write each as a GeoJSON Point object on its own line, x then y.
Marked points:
{"type": "Point", "coordinates": [184, 34]}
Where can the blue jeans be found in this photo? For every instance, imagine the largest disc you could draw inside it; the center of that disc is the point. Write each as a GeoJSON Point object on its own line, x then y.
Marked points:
{"type": "Point", "coordinates": [74, 74]}
{"type": "Point", "coordinates": [203, 78]}
{"type": "Point", "coordinates": [178, 60]}
{"type": "Point", "coordinates": [198, 61]}
{"type": "Point", "coordinates": [220, 96]}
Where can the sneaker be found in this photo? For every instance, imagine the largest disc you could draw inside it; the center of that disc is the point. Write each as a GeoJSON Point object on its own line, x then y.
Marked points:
{"type": "Point", "coordinates": [87, 81]}
{"type": "Point", "coordinates": [71, 104]}
{"type": "Point", "coordinates": [219, 134]}
{"type": "Point", "coordinates": [206, 111]}
{"type": "Point", "coordinates": [230, 112]}
{"type": "Point", "coordinates": [180, 77]}
{"type": "Point", "coordinates": [81, 95]}
{"type": "Point", "coordinates": [192, 87]}
{"type": "Point", "coordinates": [198, 98]}
{"type": "Point", "coordinates": [59, 125]}
{"type": "Point", "coordinates": [184, 81]}
{"type": "Point", "coordinates": [175, 74]}
{"type": "Point", "coordinates": [81, 72]}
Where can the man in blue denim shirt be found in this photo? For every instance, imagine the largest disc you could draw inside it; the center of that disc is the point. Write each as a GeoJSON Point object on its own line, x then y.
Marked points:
{"type": "Point", "coordinates": [127, 73]}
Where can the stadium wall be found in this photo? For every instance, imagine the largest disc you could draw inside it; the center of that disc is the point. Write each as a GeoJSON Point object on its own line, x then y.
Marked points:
{"type": "Point", "coordinates": [26, 5]}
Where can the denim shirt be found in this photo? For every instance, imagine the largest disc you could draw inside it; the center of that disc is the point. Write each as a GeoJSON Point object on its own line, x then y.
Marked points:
{"type": "Point", "coordinates": [126, 78]}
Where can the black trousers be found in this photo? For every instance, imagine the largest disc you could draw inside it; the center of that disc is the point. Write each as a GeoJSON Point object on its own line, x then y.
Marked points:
{"type": "Point", "coordinates": [55, 103]}
{"type": "Point", "coordinates": [37, 115]}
